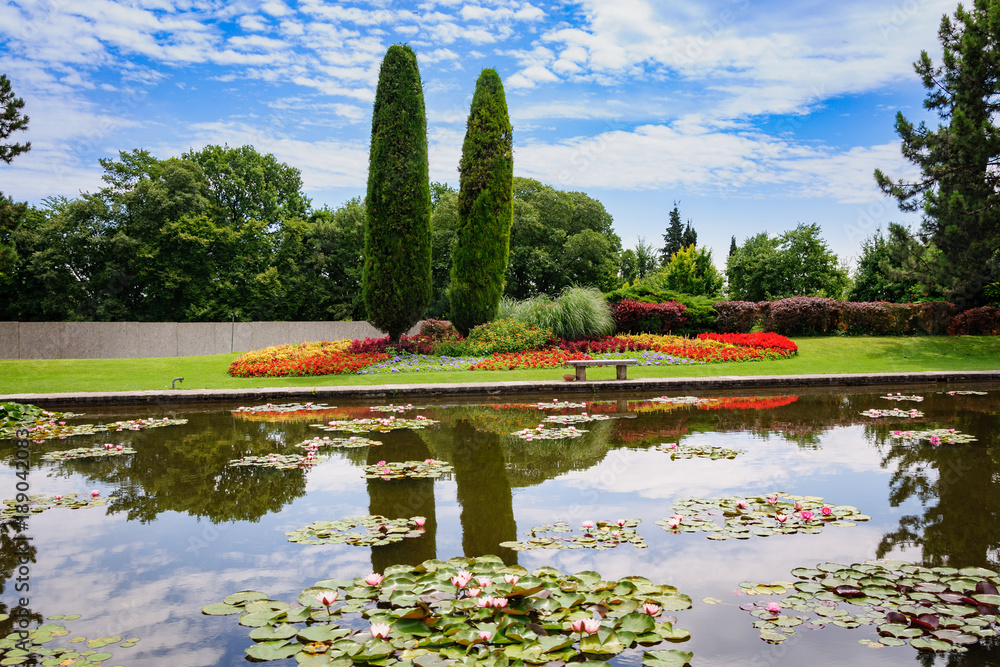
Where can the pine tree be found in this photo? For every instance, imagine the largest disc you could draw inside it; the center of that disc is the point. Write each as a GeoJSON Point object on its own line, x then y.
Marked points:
{"type": "Point", "coordinates": [673, 239]}
{"type": "Point", "coordinates": [732, 246]}
{"type": "Point", "coordinates": [485, 207]}
{"type": "Point", "coordinates": [690, 237]}
{"type": "Point", "coordinates": [396, 278]}
{"type": "Point", "coordinates": [959, 188]}
{"type": "Point", "coordinates": [11, 120]}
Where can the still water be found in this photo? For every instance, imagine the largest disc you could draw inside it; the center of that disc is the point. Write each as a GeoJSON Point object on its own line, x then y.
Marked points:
{"type": "Point", "coordinates": [182, 530]}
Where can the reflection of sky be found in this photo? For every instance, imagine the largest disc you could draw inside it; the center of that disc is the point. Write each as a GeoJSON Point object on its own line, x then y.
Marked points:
{"type": "Point", "coordinates": [150, 580]}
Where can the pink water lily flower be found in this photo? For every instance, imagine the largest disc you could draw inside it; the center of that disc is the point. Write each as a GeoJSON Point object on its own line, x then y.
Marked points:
{"type": "Point", "coordinates": [459, 582]}
{"type": "Point", "coordinates": [675, 520]}
{"type": "Point", "coordinates": [773, 607]}
{"type": "Point", "coordinates": [95, 493]}
{"type": "Point", "coordinates": [797, 506]}
{"type": "Point", "coordinates": [484, 582]}
{"type": "Point", "coordinates": [380, 463]}
{"type": "Point", "coordinates": [119, 448]}
{"type": "Point", "coordinates": [373, 579]}
{"type": "Point", "coordinates": [621, 523]}
{"type": "Point", "coordinates": [826, 511]}
{"type": "Point", "coordinates": [380, 630]}
{"type": "Point", "coordinates": [935, 440]}
{"type": "Point", "coordinates": [420, 521]}
{"type": "Point", "coordinates": [650, 608]}
{"type": "Point", "coordinates": [484, 602]}
{"type": "Point", "coordinates": [588, 625]}
{"type": "Point", "coordinates": [485, 636]}
{"type": "Point", "coordinates": [742, 504]}
{"type": "Point", "coordinates": [780, 518]}
{"type": "Point", "coordinates": [499, 602]}
{"type": "Point", "coordinates": [473, 592]}
{"type": "Point", "coordinates": [587, 524]}
{"type": "Point", "coordinates": [772, 500]}
{"type": "Point", "coordinates": [428, 461]}
{"type": "Point", "coordinates": [806, 515]}
{"type": "Point", "coordinates": [511, 578]}
{"type": "Point", "coordinates": [615, 534]}
{"type": "Point", "coordinates": [58, 497]}
{"type": "Point", "coordinates": [107, 446]}
{"type": "Point", "coordinates": [327, 598]}
{"type": "Point", "coordinates": [897, 433]}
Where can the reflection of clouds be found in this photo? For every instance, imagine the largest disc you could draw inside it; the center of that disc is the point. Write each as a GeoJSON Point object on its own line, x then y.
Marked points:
{"type": "Point", "coordinates": [766, 463]}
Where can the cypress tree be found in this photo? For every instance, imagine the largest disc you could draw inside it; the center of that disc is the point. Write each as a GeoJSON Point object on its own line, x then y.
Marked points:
{"type": "Point", "coordinates": [396, 278]}
{"type": "Point", "coordinates": [673, 238]}
{"type": "Point", "coordinates": [485, 207]}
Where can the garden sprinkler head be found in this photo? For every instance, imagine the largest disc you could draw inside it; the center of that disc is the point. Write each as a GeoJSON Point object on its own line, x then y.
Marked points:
{"type": "Point", "coordinates": [175, 380]}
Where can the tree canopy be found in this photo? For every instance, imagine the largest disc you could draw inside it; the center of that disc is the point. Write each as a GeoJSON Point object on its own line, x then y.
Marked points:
{"type": "Point", "coordinates": [797, 263]}
{"type": "Point", "coordinates": [11, 120]}
{"type": "Point", "coordinates": [959, 186]}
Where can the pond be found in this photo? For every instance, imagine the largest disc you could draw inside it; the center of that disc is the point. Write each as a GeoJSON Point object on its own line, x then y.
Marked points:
{"type": "Point", "coordinates": [181, 529]}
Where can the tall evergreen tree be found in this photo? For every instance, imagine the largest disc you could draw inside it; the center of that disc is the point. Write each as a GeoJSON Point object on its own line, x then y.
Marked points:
{"type": "Point", "coordinates": [485, 207]}
{"type": "Point", "coordinates": [396, 279]}
{"type": "Point", "coordinates": [959, 187]}
{"type": "Point", "coordinates": [11, 213]}
{"type": "Point", "coordinates": [673, 238]}
{"type": "Point", "coordinates": [690, 237]}
{"type": "Point", "coordinates": [11, 120]}
{"type": "Point", "coordinates": [732, 246]}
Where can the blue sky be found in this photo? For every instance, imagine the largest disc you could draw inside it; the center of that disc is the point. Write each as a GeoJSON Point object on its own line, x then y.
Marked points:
{"type": "Point", "coordinates": [755, 115]}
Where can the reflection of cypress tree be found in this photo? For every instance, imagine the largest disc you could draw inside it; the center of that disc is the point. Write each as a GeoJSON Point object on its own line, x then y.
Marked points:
{"type": "Point", "coordinates": [9, 562]}
{"type": "Point", "coordinates": [957, 486]}
{"type": "Point", "coordinates": [402, 498]}
{"type": "Point", "coordinates": [484, 493]}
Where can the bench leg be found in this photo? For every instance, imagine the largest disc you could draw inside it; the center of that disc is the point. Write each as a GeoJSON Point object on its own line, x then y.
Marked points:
{"type": "Point", "coordinates": [581, 373]}
{"type": "Point", "coordinates": [621, 370]}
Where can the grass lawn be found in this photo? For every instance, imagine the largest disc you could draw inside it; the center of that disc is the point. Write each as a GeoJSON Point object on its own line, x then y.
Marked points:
{"type": "Point", "coordinates": [816, 355]}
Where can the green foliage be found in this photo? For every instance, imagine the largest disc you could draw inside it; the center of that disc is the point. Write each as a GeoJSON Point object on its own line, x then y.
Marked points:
{"type": "Point", "coordinates": [958, 186]}
{"type": "Point", "coordinates": [444, 222]}
{"type": "Point", "coordinates": [797, 263]}
{"type": "Point", "coordinates": [578, 312]}
{"type": "Point", "coordinates": [11, 216]}
{"type": "Point", "coordinates": [673, 238]}
{"type": "Point", "coordinates": [485, 207]}
{"type": "Point", "coordinates": [700, 313]}
{"type": "Point", "coordinates": [880, 274]}
{"type": "Point", "coordinates": [245, 185]}
{"type": "Point", "coordinates": [692, 271]}
{"type": "Point", "coordinates": [505, 335]}
{"type": "Point", "coordinates": [11, 120]}
{"type": "Point", "coordinates": [396, 279]}
{"type": "Point", "coordinates": [559, 239]}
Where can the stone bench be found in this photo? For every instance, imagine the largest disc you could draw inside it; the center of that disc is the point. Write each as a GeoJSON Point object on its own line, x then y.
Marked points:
{"type": "Point", "coordinates": [620, 366]}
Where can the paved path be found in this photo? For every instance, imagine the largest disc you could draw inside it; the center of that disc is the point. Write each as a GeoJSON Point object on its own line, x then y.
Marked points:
{"type": "Point", "coordinates": [663, 385]}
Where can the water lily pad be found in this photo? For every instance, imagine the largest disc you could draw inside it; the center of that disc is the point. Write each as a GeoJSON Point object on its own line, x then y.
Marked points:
{"type": "Point", "coordinates": [938, 436]}
{"type": "Point", "coordinates": [599, 535]}
{"type": "Point", "coordinates": [382, 425]}
{"type": "Point", "coordinates": [542, 433]}
{"type": "Point", "coordinates": [698, 452]}
{"type": "Point", "coordinates": [38, 647]}
{"type": "Point", "coordinates": [894, 412]}
{"type": "Point", "coordinates": [903, 397]}
{"type": "Point", "coordinates": [53, 428]}
{"type": "Point", "coordinates": [435, 612]}
{"type": "Point", "coordinates": [326, 442]}
{"type": "Point", "coordinates": [39, 503]}
{"type": "Point", "coordinates": [362, 531]}
{"type": "Point", "coordinates": [934, 609]}
{"type": "Point", "coordinates": [762, 515]}
{"type": "Point", "coordinates": [276, 461]}
{"type": "Point", "coordinates": [88, 453]}
{"type": "Point", "coordinates": [407, 469]}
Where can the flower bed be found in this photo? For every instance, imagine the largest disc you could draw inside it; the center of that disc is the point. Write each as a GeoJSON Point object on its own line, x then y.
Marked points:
{"type": "Point", "coordinates": [416, 354]}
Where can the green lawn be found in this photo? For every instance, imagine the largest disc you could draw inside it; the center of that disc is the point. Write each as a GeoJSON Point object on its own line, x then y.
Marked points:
{"type": "Point", "coordinates": [816, 355]}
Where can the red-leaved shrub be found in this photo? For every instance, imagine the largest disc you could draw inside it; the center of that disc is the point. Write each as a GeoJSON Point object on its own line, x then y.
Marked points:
{"type": "Point", "coordinates": [983, 321]}
{"type": "Point", "coordinates": [640, 317]}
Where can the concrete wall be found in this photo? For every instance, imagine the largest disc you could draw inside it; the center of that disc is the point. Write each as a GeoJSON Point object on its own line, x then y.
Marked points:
{"type": "Point", "coordinates": [123, 340]}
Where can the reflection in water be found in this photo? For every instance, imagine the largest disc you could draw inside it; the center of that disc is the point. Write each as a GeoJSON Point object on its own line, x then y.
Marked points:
{"type": "Point", "coordinates": [402, 498]}
{"type": "Point", "coordinates": [183, 471]}
{"type": "Point", "coordinates": [958, 485]}
{"type": "Point", "coordinates": [13, 554]}
{"type": "Point", "coordinates": [484, 493]}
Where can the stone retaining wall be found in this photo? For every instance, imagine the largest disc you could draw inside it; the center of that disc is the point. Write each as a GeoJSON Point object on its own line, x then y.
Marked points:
{"type": "Point", "coordinates": [123, 340]}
